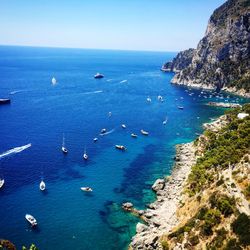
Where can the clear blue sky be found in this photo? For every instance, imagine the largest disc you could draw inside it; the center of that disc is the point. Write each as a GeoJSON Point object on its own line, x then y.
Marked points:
{"type": "Point", "coordinates": [106, 24]}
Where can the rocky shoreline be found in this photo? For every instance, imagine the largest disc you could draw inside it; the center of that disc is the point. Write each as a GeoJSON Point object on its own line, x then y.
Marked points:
{"type": "Point", "coordinates": [160, 216]}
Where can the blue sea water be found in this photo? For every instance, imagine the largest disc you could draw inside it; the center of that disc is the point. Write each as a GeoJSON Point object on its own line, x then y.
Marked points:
{"type": "Point", "coordinates": [78, 106]}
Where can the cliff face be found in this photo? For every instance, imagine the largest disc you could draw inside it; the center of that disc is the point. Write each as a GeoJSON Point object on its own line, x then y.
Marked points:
{"type": "Point", "coordinates": [222, 57]}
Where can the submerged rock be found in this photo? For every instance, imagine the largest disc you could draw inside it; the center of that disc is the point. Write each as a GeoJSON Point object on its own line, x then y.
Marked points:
{"type": "Point", "coordinates": [158, 185]}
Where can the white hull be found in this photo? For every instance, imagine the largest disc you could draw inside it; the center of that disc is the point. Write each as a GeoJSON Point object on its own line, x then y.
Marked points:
{"type": "Point", "coordinates": [86, 189]}
{"type": "Point", "coordinates": [31, 220]}
{"type": "Point", "coordinates": [1, 183]}
{"type": "Point", "coordinates": [42, 186]}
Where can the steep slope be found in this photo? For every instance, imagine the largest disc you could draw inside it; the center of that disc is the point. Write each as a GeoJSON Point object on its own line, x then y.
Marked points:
{"type": "Point", "coordinates": [222, 57]}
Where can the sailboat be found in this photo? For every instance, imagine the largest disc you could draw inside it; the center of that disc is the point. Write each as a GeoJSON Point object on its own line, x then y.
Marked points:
{"type": "Point", "coordinates": [1, 183]}
{"type": "Point", "coordinates": [64, 149]}
{"type": "Point", "coordinates": [42, 185]}
{"type": "Point", "coordinates": [85, 156]}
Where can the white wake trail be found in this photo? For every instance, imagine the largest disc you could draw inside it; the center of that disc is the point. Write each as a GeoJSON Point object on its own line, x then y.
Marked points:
{"type": "Point", "coordinates": [15, 150]}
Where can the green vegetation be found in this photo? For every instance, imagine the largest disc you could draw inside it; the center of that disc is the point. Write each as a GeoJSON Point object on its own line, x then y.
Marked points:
{"type": "Point", "coordinates": [241, 227]}
{"type": "Point", "coordinates": [164, 245]}
{"type": "Point", "coordinates": [218, 241]}
{"type": "Point", "coordinates": [233, 244]}
{"type": "Point", "coordinates": [247, 192]}
{"type": "Point", "coordinates": [224, 148]}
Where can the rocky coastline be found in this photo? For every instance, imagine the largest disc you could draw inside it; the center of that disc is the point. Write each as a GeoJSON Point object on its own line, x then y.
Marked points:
{"type": "Point", "coordinates": [160, 216]}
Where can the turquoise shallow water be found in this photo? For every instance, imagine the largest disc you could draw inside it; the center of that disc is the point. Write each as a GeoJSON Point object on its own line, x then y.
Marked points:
{"type": "Point", "coordinates": [78, 106]}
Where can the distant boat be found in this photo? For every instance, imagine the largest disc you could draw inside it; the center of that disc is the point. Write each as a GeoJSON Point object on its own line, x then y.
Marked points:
{"type": "Point", "coordinates": [31, 219]}
{"type": "Point", "coordinates": [1, 183]}
{"type": "Point", "coordinates": [149, 99]}
{"type": "Point", "coordinates": [133, 135]}
{"type": "Point", "coordinates": [98, 76]}
{"type": "Point", "coordinates": [103, 131]}
{"type": "Point", "coordinates": [120, 147]}
{"type": "Point", "coordinates": [42, 185]}
{"type": "Point", "coordinates": [64, 149]}
{"type": "Point", "coordinates": [180, 107]}
{"type": "Point", "coordinates": [144, 132]}
{"type": "Point", "coordinates": [109, 114]}
{"type": "Point", "coordinates": [53, 81]}
{"type": "Point", "coordinates": [85, 156]}
{"type": "Point", "coordinates": [86, 189]}
{"type": "Point", "coordinates": [4, 101]}
{"type": "Point", "coordinates": [160, 98]}
{"type": "Point", "coordinates": [123, 126]}
{"type": "Point", "coordinates": [95, 139]}
{"type": "Point", "coordinates": [165, 121]}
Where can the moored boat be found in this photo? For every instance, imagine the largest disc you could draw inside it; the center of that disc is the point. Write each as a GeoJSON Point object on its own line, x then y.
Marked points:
{"type": "Point", "coordinates": [95, 139]}
{"type": "Point", "coordinates": [98, 76]}
{"type": "Point", "coordinates": [120, 147]}
{"type": "Point", "coordinates": [144, 132]}
{"type": "Point", "coordinates": [86, 189]}
{"type": "Point", "coordinates": [42, 185]}
{"type": "Point", "coordinates": [149, 99]}
{"type": "Point", "coordinates": [133, 135]}
{"type": "Point", "coordinates": [180, 107]}
{"type": "Point", "coordinates": [1, 183]}
{"type": "Point", "coordinates": [31, 219]}
{"type": "Point", "coordinates": [4, 101]}
{"type": "Point", "coordinates": [123, 126]}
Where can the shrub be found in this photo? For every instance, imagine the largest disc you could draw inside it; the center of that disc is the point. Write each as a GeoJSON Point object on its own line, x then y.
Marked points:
{"type": "Point", "coordinates": [194, 240]}
{"type": "Point", "coordinates": [233, 244]}
{"type": "Point", "coordinates": [247, 192]}
{"type": "Point", "coordinates": [165, 245]}
{"type": "Point", "coordinates": [212, 217]}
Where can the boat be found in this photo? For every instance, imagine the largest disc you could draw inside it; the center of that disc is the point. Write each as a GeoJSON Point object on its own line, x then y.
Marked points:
{"type": "Point", "coordinates": [109, 114]}
{"type": "Point", "coordinates": [1, 183]}
{"type": "Point", "coordinates": [86, 189]}
{"type": "Point", "coordinates": [95, 139]}
{"type": "Point", "coordinates": [165, 121]}
{"type": "Point", "coordinates": [4, 101]}
{"type": "Point", "coordinates": [64, 149]}
{"type": "Point", "coordinates": [31, 219]}
{"type": "Point", "coordinates": [149, 99]}
{"type": "Point", "coordinates": [53, 81]}
{"type": "Point", "coordinates": [42, 185]}
{"type": "Point", "coordinates": [180, 107]}
{"type": "Point", "coordinates": [160, 98]}
{"type": "Point", "coordinates": [144, 132]}
{"type": "Point", "coordinates": [123, 126]}
{"type": "Point", "coordinates": [85, 156]}
{"type": "Point", "coordinates": [98, 76]}
{"type": "Point", "coordinates": [120, 147]}
{"type": "Point", "coordinates": [133, 135]}
{"type": "Point", "coordinates": [103, 131]}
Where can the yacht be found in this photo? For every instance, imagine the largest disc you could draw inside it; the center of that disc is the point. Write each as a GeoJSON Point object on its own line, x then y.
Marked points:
{"type": "Point", "coordinates": [31, 220]}
{"type": "Point", "coordinates": [144, 132]}
{"type": "Point", "coordinates": [1, 183]}
{"type": "Point", "coordinates": [64, 149]}
{"type": "Point", "coordinates": [133, 135]}
{"type": "Point", "coordinates": [42, 185]}
{"type": "Point", "coordinates": [98, 76]}
{"type": "Point", "coordinates": [123, 126]}
{"type": "Point", "coordinates": [86, 189]}
{"type": "Point", "coordinates": [95, 139]}
{"type": "Point", "coordinates": [120, 147]}
{"type": "Point", "coordinates": [53, 81]}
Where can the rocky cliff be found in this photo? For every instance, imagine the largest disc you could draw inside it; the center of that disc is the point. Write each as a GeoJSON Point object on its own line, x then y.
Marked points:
{"type": "Point", "coordinates": [222, 57]}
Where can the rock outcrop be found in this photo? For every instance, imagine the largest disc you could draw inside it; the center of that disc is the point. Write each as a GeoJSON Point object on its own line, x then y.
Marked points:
{"type": "Point", "coordinates": [222, 57]}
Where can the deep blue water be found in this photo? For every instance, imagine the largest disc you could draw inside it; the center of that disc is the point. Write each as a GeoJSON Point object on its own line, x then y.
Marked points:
{"type": "Point", "coordinates": [78, 106]}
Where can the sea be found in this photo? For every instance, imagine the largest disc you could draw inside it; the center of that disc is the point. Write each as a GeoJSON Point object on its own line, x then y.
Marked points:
{"type": "Point", "coordinates": [77, 107]}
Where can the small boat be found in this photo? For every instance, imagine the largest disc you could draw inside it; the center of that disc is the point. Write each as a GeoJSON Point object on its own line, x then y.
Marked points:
{"type": "Point", "coordinates": [103, 131]}
{"type": "Point", "coordinates": [85, 156]}
{"type": "Point", "coordinates": [123, 126]}
{"type": "Point", "coordinates": [98, 76]}
{"type": "Point", "coordinates": [109, 114]}
{"type": "Point", "coordinates": [120, 147]}
{"type": "Point", "coordinates": [133, 135]}
{"type": "Point", "coordinates": [64, 149]}
{"type": "Point", "coordinates": [86, 189]}
{"type": "Point", "coordinates": [31, 220]}
{"type": "Point", "coordinates": [149, 99]}
{"type": "Point", "coordinates": [160, 98]}
{"type": "Point", "coordinates": [53, 81]}
{"type": "Point", "coordinates": [95, 139]}
{"type": "Point", "coordinates": [165, 121]}
{"type": "Point", "coordinates": [4, 101]}
{"type": "Point", "coordinates": [144, 132]}
{"type": "Point", "coordinates": [42, 185]}
{"type": "Point", "coordinates": [1, 183]}
{"type": "Point", "coordinates": [180, 107]}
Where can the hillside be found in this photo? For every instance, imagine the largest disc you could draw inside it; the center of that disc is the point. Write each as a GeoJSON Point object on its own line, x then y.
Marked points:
{"type": "Point", "coordinates": [222, 57]}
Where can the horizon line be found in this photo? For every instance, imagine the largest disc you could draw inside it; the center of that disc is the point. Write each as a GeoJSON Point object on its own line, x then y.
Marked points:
{"type": "Point", "coordinates": [62, 47]}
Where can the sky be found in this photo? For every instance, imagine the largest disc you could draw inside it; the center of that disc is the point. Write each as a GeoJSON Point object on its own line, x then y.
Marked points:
{"type": "Point", "coordinates": [156, 25]}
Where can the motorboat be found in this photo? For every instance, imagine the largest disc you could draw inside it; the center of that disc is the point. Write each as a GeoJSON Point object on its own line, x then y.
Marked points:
{"type": "Point", "coordinates": [149, 99]}
{"type": "Point", "coordinates": [103, 131]}
{"type": "Point", "coordinates": [31, 219]}
{"type": "Point", "coordinates": [4, 101]}
{"type": "Point", "coordinates": [1, 183]}
{"type": "Point", "coordinates": [123, 126]}
{"type": "Point", "coordinates": [95, 139]}
{"type": "Point", "coordinates": [98, 76]}
{"type": "Point", "coordinates": [180, 107]}
{"type": "Point", "coordinates": [133, 135]}
{"type": "Point", "coordinates": [85, 156]}
{"type": "Point", "coordinates": [160, 98]}
{"type": "Point", "coordinates": [86, 189]}
{"type": "Point", "coordinates": [42, 185]}
{"type": "Point", "coordinates": [64, 149]}
{"type": "Point", "coordinates": [120, 147]}
{"type": "Point", "coordinates": [165, 121]}
{"type": "Point", "coordinates": [53, 81]}
{"type": "Point", "coordinates": [144, 132]}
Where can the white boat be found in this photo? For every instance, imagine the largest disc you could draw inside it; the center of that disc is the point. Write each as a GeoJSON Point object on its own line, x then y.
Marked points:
{"type": "Point", "coordinates": [1, 183]}
{"type": "Point", "coordinates": [42, 185]}
{"type": "Point", "coordinates": [31, 219]}
{"type": "Point", "coordinates": [160, 98]}
{"type": "Point", "coordinates": [144, 132]}
{"type": "Point", "coordinates": [123, 126]}
{"type": "Point", "coordinates": [86, 189]}
{"type": "Point", "coordinates": [165, 121]}
{"type": "Point", "coordinates": [180, 107]}
{"type": "Point", "coordinates": [98, 76]}
{"type": "Point", "coordinates": [103, 131]}
{"type": "Point", "coordinates": [120, 147]}
{"type": "Point", "coordinates": [64, 149]}
{"type": "Point", "coordinates": [109, 114]}
{"type": "Point", "coordinates": [133, 135]}
{"type": "Point", "coordinates": [53, 81]}
{"type": "Point", "coordinates": [149, 99]}
{"type": "Point", "coordinates": [85, 156]}
{"type": "Point", "coordinates": [95, 139]}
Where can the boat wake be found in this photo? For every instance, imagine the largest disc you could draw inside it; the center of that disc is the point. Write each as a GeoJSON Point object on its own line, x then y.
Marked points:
{"type": "Point", "coordinates": [92, 92]}
{"type": "Point", "coordinates": [15, 92]}
{"type": "Point", "coordinates": [108, 132]}
{"type": "Point", "coordinates": [14, 150]}
{"type": "Point", "coordinates": [123, 81]}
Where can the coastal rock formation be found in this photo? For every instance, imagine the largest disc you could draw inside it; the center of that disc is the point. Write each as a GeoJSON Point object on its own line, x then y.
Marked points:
{"type": "Point", "coordinates": [222, 57]}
